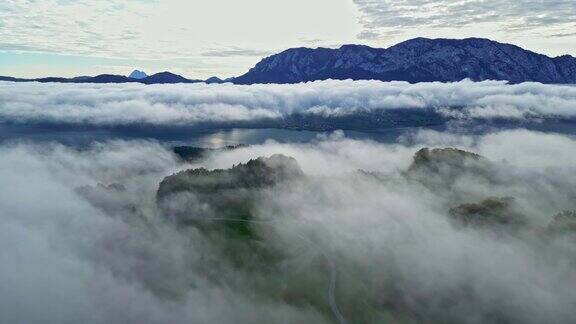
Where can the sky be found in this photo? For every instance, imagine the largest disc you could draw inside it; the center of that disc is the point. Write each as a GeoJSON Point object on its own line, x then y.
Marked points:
{"type": "Point", "coordinates": [203, 38]}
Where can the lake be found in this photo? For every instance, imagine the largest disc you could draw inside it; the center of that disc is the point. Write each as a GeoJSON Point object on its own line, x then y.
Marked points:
{"type": "Point", "coordinates": [74, 135]}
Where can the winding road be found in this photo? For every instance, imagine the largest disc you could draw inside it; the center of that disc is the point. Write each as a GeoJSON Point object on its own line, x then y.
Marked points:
{"type": "Point", "coordinates": [331, 293]}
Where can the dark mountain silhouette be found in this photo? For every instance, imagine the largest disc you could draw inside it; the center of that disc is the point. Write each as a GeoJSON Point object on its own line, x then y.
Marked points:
{"type": "Point", "coordinates": [166, 77]}
{"type": "Point", "coordinates": [415, 60]}
{"type": "Point", "coordinates": [11, 79]}
{"type": "Point", "coordinates": [158, 78]}
{"type": "Point", "coordinates": [214, 80]}
{"type": "Point", "coordinates": [104, 78]}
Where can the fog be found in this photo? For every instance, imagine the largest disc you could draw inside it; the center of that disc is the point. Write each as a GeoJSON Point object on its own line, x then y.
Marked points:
{"type": "Point", "coordinates": [84, 240]}
{"type": "Point", "coordinates": [188, 104]}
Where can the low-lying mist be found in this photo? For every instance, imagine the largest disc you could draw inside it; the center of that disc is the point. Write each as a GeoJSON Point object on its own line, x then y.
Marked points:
{"type": "Point", "coordinates": [188, 104]}
{"type": "Point", "coordinates": [347, 231]}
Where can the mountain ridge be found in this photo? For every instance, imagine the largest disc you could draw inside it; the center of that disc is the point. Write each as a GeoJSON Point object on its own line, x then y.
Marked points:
{"type": "Point", "coordinates": [414, 60]}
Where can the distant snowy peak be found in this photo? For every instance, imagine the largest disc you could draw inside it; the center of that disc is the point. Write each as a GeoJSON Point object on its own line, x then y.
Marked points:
{"type": "Point", "coordinates": [137, 74]}
{"type": "Point", "coordinates": [415, 60]}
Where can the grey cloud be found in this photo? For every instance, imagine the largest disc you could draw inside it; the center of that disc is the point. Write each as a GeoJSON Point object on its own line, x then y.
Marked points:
{"type": "Point", "coordinates": [511, 16]}
{"type": "Point", "coordinates": [235, 51]}
{"type": "Point", "coordinates": [369, 35]}
{"type": "Point", "coordinates": [312, 41]}
{"type": "Point", "coordinates": [22, 47]}
{"type": "Point", "coordinates": [564, 35]}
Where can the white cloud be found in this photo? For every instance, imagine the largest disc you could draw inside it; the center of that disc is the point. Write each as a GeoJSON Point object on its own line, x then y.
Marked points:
{"type": "Point", "coordinates": [65, 262]}
{"type": "Point", "coordinates": [131, 104]}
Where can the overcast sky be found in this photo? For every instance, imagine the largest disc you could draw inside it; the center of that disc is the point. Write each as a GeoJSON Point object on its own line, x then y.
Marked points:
{"type": "Point", "coordinates": [201, 38]}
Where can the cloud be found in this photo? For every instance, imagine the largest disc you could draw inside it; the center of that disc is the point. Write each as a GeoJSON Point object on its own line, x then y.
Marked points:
{"type": "Point", "coordinates": [68, 262]}
{"type": "Point", "coordinates": [396, 254]}
{"type": "Point", "coordinates": [391, 230]}
{"type": "Point", "coordinates": [384, 16]}
{"type": "Point", "coordinates": [236, 51]}
{"type": "Point", "coordinates": [135, 104]}
{"type": "Point", "coordinates": [167, 30]}
{"type": "Point", "coordinates": [564, 35]}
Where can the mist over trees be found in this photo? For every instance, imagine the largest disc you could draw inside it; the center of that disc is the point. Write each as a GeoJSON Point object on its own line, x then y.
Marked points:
{"type": "Point", "coordinates": [454, 233]}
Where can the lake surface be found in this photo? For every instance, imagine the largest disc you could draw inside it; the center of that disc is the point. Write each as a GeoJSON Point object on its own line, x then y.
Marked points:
{"type": "Point", "coordinates": [218, 137]}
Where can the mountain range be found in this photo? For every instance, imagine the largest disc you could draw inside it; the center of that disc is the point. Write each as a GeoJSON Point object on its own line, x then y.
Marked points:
{"type": "Point", "coordinates": [415, 60]}
{"type": "Point", "coordinates": [158, 78]}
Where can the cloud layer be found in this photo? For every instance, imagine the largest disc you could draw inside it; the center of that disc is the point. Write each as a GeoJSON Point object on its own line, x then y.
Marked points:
{"type": "Point", "coordinates": [68, 260]}
{"type": "Point", "coordinates": [517, 16]}
{"type": "Point", "coordinates": [133, 104]}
